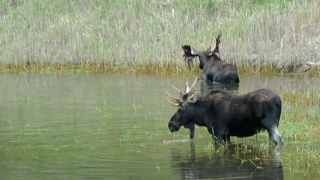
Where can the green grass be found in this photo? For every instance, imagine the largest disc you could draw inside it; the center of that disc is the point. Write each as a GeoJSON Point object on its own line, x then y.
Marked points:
{"type": "Point", "coordinates": [55, 34]}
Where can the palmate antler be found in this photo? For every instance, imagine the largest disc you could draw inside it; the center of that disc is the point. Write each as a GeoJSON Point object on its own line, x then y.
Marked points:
{"type": "Point", "coordinates": [187, 50]}
{"type": "Point", "coordinates": [178, 102]}
{"type": "Point", "coordinates": [188, 55]}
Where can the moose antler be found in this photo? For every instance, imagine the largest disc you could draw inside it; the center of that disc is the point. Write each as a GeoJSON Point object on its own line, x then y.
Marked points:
{"type": "Point", "coordinates": [178, 102]}
{"type": "Point", "coordinates": [186, 49]}
{"type": "Point", "coordinates": [214, 49]}
{"type": "Point", "coordinates": [188, 54]}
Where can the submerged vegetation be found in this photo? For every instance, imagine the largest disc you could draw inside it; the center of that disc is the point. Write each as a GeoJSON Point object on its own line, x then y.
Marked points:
{"type": "Point", "coordinates": [134, 36]}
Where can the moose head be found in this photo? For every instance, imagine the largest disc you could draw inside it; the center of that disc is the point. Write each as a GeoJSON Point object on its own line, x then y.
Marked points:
{"type": "Point", "coordinates": [178, 119]}
{"type": "Point", "coordinates": [204, 56]}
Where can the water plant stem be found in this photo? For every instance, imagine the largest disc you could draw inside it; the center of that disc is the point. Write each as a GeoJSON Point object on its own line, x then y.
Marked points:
{"type": "Point", "coordinates": [158, 167]}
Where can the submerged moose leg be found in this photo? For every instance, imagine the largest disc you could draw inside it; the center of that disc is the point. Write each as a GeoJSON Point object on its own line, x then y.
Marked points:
{"type": "Point", "coordinates": [215, 136]}
{"type": "Point", "coordinates": [220, 133]}
{"type": "Point", "coordinates": [204, 77]}
{"type": "Point", "coordinates": [191, 127]}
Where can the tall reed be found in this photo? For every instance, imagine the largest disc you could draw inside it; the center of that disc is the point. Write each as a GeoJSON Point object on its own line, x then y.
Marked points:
{"type": "Point", "coordinates": [277, 33]}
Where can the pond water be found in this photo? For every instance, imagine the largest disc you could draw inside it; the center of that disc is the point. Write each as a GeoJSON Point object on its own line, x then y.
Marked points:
{"type": "Point", "coordinates": [101, 126]}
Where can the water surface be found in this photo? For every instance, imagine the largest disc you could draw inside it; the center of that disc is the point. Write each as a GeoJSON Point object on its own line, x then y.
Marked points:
{"type": "Point", "coordinates": [115, 127]}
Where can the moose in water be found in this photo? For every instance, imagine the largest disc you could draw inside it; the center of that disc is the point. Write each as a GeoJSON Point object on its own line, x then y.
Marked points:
{"type": "Point", "coordinates": [225, 114]}
{"type": "Point", "coordinates": [214, 69]}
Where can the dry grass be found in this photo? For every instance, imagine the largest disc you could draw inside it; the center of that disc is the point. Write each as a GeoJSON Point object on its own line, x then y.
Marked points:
{"type": "Point", "coordinates": [279, 34]}
{"type": "Point", "coordinates": [93, 67]}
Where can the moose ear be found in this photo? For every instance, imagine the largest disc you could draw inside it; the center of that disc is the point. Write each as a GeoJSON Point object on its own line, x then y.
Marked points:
{"type": "Point", "coordinates": [194, 98]}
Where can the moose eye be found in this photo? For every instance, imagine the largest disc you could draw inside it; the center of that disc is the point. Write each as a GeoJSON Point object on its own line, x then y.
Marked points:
{"type": "Point", "coordinates": [178, 112]}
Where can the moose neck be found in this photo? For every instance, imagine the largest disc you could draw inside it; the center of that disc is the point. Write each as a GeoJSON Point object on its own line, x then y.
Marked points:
{"type": "Point", "coordinates": [214, 57]}
{"type": "Point", "coordinates": [203, 58]}
{"type": "Point", "coordinates": [195, 112]}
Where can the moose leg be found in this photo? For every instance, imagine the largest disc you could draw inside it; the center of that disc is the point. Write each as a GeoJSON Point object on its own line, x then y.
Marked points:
{"type": "Point", "coordinates": [226, 138]}
{"type": "Point", "coordinates": [210, 130]}
{"type": "Point", "coordinates": [189, 63]}
{"type": "Point", "coordinates": [204, 76]}
{"type": "Point", "coordinates": [275, 136]}
{"type": "Point", "coordinates": [221, 133]}
{"type": "Point", "coordinates": [191, 127]}
{"type": "Point", "coordinates": [215, 137]}
{"type": "Point", "coordinates": [271, 126]}
{"type": "Point", "coordinates": [218, 134]}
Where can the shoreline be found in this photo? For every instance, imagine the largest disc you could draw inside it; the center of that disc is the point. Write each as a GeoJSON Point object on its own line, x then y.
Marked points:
{"type": "Point", "coordinates": [170, 69]}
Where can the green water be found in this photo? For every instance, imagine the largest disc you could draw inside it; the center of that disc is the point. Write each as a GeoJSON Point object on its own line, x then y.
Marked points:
{"type": "Point", "coordinates": [115, 127]}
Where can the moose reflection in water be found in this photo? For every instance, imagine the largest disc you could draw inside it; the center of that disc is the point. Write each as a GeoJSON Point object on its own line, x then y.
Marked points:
{"type": "Point", "coordinates": [207, 86]}
{"type": "Point", "coordinates": [234, 161]}
{"type": "Point", "coordinates": [225, 114]}
{"type": "Point", "coordinates": [214, 69]}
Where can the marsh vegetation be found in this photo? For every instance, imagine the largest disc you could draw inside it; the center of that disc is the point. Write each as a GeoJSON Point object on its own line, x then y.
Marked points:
{"type": "Point", "coordinates": [139, 36]}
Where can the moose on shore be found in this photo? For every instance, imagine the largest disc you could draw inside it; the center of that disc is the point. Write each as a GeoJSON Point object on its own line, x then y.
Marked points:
{"type": "Point", "coordinates": [225, 114]}
{"type": "Point", "coordinates": [214, 69]}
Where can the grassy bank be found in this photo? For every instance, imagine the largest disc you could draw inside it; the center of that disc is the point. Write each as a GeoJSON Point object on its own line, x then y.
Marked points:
{"type": "Point", "coordinates": [57, 34]}
{"type": "Point", "coordinates": [171, 69]}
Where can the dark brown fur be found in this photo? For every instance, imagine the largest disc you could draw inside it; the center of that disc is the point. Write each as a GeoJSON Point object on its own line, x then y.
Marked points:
{"type": "Point", "coordinates": [214, 69]}
{"type": "Point", "coordinates": [226, 114]}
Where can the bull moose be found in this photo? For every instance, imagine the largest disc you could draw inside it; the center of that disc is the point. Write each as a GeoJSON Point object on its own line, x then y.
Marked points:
{"type": "Point", "coordinates": [214, 69]}
{"type": "Point", "coordinates": [225, 114]}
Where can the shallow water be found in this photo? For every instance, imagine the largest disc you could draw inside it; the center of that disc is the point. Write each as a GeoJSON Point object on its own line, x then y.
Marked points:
{"type": "Point", "coordinates": [115, 127]}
